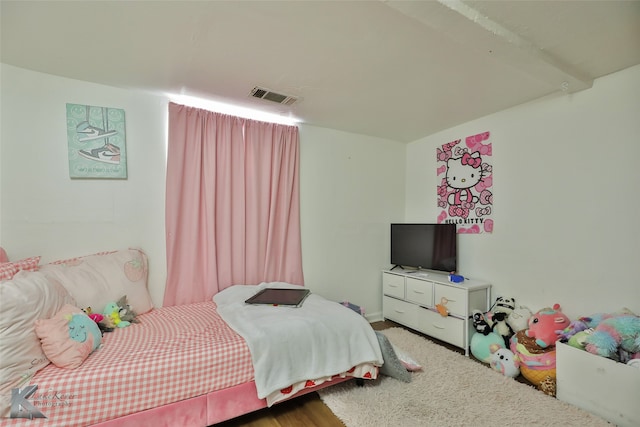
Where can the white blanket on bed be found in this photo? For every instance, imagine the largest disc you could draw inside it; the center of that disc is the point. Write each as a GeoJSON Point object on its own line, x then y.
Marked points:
{"type": "Point", "coordinates": [288, 344]}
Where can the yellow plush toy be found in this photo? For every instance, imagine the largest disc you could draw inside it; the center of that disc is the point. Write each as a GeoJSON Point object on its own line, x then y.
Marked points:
{"type": "Point", "coordinates": [112, 311]}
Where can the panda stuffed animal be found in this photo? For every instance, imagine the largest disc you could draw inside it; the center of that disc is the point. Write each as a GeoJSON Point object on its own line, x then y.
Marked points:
{"type": "Point", "coordinates": [480, 323]}
{"type": "Point", "coordinates": [504, 305]}
{"type": "Point", "coordinates": [502, 308]}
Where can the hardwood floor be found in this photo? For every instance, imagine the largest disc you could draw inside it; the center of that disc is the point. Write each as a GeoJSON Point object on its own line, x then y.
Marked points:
{"type": "Point", "coordinates": [303, 411]}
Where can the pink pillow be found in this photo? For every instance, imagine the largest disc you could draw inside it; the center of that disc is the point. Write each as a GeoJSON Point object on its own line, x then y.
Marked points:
{"type": "Point", "coordinates": [57, 345]}
{"type": "Point", "coordinates": [28, 264]}
{"type": "Point", "coordinates": [9, 269]}
{"type": "Point", "coordinates": [97, 280]}
{"type": "Point", "coordinates": [3, 256]}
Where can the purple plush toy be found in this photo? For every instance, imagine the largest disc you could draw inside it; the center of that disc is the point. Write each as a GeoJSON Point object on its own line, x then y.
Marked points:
{"type": "Point", "coordinates": [574, 327]}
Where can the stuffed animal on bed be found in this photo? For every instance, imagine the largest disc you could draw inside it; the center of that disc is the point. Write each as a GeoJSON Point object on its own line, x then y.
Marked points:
{"type": "Point", "coordinates": [81, 327]}
{"type": "Point", "coordinates": [105, 324]}
{"type": "Point", "coordinates": [112, 311]}
{"type": "Point", "coordinates": [125, 311]}
{"type": "Point", "coordinates": [546, 325]}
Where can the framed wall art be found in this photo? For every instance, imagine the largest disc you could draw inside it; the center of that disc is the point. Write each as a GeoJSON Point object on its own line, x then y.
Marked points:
{"type": "Point", "coordinates": [96, 142]}
{"type": "Point", "coordinates": [465, 188]}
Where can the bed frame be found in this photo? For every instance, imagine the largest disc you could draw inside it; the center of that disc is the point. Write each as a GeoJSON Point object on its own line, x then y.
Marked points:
{"type": "Point", "coordinates": [209, 409]}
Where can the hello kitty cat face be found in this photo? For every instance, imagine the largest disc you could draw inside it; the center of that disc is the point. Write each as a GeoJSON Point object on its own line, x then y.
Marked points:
{"type": "Point", "coordinates": [464, 172]}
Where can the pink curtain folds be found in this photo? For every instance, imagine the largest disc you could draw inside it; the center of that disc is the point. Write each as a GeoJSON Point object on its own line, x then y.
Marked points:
{"type": "Point", "coordinates": [232, 204]}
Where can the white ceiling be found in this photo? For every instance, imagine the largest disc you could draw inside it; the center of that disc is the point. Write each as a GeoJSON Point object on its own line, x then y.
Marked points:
{"type": "Point", "coordinates": [400, 70]}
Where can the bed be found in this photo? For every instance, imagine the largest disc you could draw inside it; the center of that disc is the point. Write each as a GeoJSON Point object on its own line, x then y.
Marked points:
{"type": "Point", "coordinates": [185, 365]}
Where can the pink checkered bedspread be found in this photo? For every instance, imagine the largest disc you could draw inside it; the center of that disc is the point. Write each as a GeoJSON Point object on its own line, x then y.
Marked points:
{"type": "Point", "coordinates": [174, 353]}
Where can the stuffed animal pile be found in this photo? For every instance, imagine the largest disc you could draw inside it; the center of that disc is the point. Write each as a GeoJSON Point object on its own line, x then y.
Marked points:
{"type": "Point", "coordinates": [615, 336]}
{"type": "Point", "coordinates": [522, 345]}
{"type": "Point", "coordinates": [104, 324]}
{"type": "Point", "coordinates": [115, 315]}
{"type": "Point", "coordinates": [535, 347]}
{"type": "Point", "coordinates": [495, 328]}
{"type": "Point", "coordinates": [514, 341]}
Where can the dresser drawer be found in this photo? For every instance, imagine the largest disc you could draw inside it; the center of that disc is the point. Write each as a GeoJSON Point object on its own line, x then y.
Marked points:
{"type": "Point", "coordinates": [457, 299]}
{"type": "Point", "coordinates": [410, 298]}
{"type": "Point", "coordinates": [419, 291]}
{"type": "Point", "coordinates": [448, 329]}
{"type": "Point", "coordinates": [400, 311]}
{"type": "Point", "coordinates": [393, 285]}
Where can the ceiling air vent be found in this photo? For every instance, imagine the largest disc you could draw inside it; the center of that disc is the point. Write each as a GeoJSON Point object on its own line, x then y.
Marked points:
{"type": "Point", "coordinates": [262, 93]}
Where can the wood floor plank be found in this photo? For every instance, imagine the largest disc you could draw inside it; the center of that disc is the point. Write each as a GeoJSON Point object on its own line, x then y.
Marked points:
{"type": "Point", "coordinates": [321, 414]}
{"type": "Point", "coordinates": [309, 411]}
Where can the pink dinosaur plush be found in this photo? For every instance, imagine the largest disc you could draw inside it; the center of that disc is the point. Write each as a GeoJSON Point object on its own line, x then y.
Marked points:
{"type": "Point", "coordinates": [547, 325]}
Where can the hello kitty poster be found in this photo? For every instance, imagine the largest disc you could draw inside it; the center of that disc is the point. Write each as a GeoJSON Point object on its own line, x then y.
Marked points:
{"type": "Point", "coordinates": [465, 177]}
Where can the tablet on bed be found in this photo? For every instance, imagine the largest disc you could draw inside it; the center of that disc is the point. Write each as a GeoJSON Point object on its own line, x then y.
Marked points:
{"type": "Point", "coordinates": [276, 296]}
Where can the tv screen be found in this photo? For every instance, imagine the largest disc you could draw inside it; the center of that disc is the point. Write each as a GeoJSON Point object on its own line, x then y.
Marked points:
{"type": "Point", "coordinates": [424, 246]}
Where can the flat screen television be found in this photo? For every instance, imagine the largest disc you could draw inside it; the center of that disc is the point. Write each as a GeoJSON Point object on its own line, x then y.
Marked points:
{"type": "Point", "coordinates": [424, 246]}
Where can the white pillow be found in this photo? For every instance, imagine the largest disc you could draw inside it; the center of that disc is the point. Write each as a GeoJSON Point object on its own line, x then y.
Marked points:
{"type": "Point", "coordinates": [96, 280]}
{"type": "Point", "coordinates": [29, 296]}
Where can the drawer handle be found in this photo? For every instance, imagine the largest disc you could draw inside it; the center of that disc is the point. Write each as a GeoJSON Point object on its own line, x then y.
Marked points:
{"type": "Point", "coordinates": [438, 327]}
{"type": "Point", "coordinates": [418, 292]}
{"type": "Point", "coordinates": [392, 285]}
{"type": "Point", "coordinates": [399, 311]}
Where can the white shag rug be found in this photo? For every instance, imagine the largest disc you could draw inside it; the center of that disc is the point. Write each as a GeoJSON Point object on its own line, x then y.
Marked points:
{"type": "Point", "coordinates": [451, 390]}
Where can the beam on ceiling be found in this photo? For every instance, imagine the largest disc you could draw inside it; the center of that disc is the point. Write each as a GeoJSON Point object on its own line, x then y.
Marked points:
{"type": "Point", "coordinates": [469, 27]}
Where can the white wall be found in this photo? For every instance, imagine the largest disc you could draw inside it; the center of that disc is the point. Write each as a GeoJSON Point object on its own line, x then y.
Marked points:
{"type": "Point", "coordinates": [566, 178]}
{"type": "Point", "coordinates": [46, 213]}
{"type": "Point", "coordinates": [351, 189]}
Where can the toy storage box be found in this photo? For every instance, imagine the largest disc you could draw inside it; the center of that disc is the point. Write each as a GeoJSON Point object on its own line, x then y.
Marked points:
{"type": "Point", "coordinates": [599, 385]}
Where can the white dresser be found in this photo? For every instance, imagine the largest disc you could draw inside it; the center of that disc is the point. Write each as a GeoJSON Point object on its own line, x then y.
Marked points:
{"type": "Point", "coordinates": [409, 297]}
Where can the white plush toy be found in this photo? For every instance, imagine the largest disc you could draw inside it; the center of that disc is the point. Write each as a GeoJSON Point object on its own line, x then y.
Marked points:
{"type": "Point", "coordinates": [505, 362]}
{"type": "Point", "coordinates": [519, 318]}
